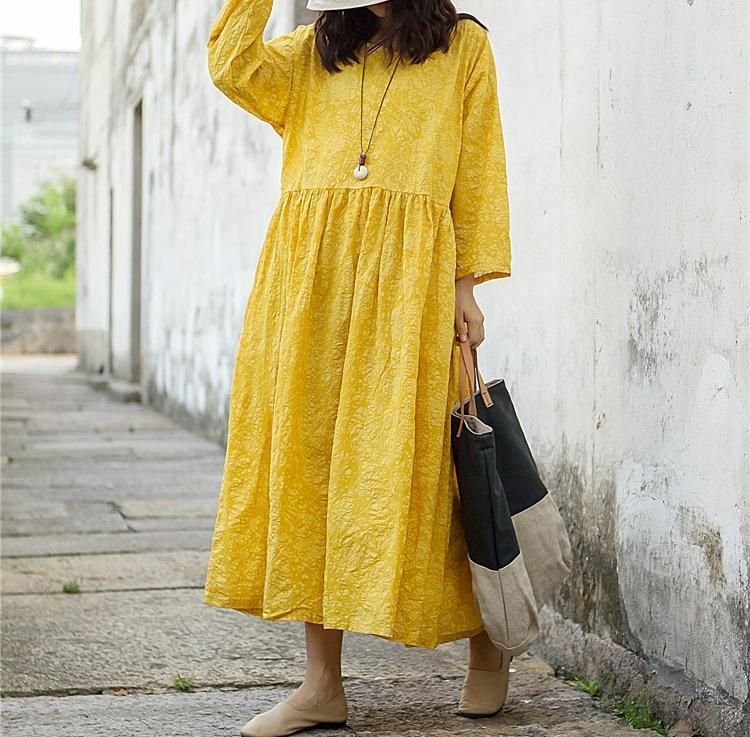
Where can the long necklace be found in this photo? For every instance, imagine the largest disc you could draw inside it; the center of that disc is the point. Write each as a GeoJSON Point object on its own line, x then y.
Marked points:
{"type": "Point", "coordinates": [360, 171]}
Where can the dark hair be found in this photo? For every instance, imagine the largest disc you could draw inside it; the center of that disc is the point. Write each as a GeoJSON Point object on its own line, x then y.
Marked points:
{"type": "Point", "coordinates": [417, 29]}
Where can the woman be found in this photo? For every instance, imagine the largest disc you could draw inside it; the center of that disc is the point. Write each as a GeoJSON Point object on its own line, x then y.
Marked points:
{"type": "Point", "coordinates": [338, 505]}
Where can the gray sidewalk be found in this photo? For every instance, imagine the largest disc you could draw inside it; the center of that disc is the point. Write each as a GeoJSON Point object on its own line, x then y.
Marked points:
{"type": "Point", "coordinates": [120, 500]}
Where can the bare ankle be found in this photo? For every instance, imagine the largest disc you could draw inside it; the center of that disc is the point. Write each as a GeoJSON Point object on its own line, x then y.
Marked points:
{"type": "Point", "coordinates": [313, 692]}
{"type": "Point", "coordinates": [483, 654]}
{"type": "Point", "coordinates": [326, 675]}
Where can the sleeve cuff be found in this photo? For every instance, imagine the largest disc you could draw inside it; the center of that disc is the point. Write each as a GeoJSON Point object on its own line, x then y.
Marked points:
{"type": "Point", "coordinates": [484, 271]}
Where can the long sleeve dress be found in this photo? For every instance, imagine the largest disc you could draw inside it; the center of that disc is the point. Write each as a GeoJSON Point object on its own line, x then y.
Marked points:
{"type": "Point", "coordinates": [338, 503]}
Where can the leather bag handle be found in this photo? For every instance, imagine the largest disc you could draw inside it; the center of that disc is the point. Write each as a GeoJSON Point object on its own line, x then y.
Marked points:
{"type": "Point", "coordinates": [469, 368]}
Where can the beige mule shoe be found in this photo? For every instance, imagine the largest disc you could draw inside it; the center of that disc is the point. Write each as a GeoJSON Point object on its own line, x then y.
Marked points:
{"type": "Point", "coordinates": [484, 691]}
{"type": "Point", "coordinates": [284, 719]}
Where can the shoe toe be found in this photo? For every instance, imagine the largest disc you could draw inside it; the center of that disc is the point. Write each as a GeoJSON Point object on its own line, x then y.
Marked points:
{"type": "Point", "coordinates": [266, 724]}
{"type": "Point", "coordinates": [285, 719]}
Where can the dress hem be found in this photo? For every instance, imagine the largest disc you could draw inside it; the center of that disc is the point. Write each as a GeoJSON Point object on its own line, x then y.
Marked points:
{"type": "Point", "coordinates": [338, 623]}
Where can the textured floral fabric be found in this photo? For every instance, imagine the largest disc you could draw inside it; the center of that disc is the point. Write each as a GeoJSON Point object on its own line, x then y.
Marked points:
{"type": "Point", "coordinates": [338, 503]}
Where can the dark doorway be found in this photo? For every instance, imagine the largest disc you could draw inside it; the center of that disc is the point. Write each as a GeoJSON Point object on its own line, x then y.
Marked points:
{"type": "Point", "coordinates": [111, 284]}
{"type": "Point", "coordinates": [135, 281]}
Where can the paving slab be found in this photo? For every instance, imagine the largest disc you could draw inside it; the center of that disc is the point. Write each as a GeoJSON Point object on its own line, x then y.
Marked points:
{"type": "Point", "coordinates": [28, 507]}
{"type": "Point", "coordinates": [122, 479]}
{"type": "Point", "coordinates": [168, 508]}
{"type": "Point", "coordinates": [75, 517]}
{"type": "Point", "coordinates": [83, 643]}
{"type": "Point", "coordinates": [46, 575]}
{"type": "Point", "coordinates": [31, 449]}
{"type": "Point", "coordinates": [97, 420]}
{"type": "Point", "coordinates": [31, 507]}
{"type": "Point", "coordinates": [420, 707]}
{"type": "Point", "coordinates": [182, 523]}
{"type": "Point", "coordinates": [22, 489]}
{"type": "Point", "coordinates": [93, 543]}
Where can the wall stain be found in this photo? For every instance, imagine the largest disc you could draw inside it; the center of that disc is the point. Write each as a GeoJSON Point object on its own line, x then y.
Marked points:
{"type": "Point", "coordinates": [591, 593]}
{"type": "Point", "coordinates": [652, 338]}
{"type": "Point", "coordinates": [651, 341]}
{"type": "Point", "coordinates": [698, 531]}
{"type": "Point", "coordinates": [705, 281]}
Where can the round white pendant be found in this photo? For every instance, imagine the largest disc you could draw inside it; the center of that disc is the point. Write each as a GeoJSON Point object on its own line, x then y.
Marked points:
{"type": "Point", "coordinates": [360, 172]}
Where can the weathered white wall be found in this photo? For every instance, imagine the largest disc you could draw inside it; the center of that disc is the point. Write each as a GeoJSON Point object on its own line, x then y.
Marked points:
{"type": "Point", "coordinates": [92, 203]}
{"type": "Point", "coordinates": [622, 333]}
{"type": "Point", "coordinates": [210, 181]}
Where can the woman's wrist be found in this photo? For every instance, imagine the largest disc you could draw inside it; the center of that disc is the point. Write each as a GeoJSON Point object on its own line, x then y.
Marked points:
{"type": "Point", "coordinates": [465, 283]}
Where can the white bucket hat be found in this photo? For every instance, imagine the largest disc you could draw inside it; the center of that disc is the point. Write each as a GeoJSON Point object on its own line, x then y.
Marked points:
{"type": "Point", "coordinates": [339, 4]}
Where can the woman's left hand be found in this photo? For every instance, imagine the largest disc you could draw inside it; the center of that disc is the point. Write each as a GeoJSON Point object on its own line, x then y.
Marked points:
{"type": "Point", "coordinates": [469, 318]}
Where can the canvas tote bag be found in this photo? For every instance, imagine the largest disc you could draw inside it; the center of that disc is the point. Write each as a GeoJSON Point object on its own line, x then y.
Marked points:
{"type": "Point", "coordinates": [519, 550]}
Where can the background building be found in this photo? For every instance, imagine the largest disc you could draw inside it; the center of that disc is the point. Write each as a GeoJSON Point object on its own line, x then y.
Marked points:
{"type": "Point", "coordinates": [39, 117]}
{"type": "Point", "coordinates": [623, 333]}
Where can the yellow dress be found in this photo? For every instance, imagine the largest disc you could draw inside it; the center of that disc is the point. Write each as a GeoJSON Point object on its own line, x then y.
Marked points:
{"type": "Point", "coordinates": [338, 503]}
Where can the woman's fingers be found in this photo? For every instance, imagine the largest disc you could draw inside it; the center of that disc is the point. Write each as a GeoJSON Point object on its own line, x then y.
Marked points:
{"type": "Point", "coordinates": [476, 332]}
{"type": "Point", "coordinates": [470, 326]}
{"type": "Point", "coordinates": [461, 333]}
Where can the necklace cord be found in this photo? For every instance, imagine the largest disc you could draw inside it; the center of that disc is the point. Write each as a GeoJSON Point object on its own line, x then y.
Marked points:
{"type": "Point", "coordinates": [361, 101]}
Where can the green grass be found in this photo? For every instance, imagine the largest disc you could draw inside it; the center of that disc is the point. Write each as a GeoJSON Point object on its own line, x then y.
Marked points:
{"type": "Point", "coordinates": [25, 291]}
{"type": "Point", "coordinates": [592, 688]}
{"type": "Point", "coordinates": [183, 683]}
{"type": "Point", "coordinates": [72, 587]}
{"type": "Point", "coordinates": [636, 713]}
{"type": "Point", "coordinates": [633, 711]}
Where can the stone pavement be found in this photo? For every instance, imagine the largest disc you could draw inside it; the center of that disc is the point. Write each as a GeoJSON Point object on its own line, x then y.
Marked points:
{"type": "Point", "coordinates": [118, 499]}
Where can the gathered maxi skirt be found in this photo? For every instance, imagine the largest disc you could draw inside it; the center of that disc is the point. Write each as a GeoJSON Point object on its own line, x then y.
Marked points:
{"type": "Point", "coordinates": [338, 503]}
